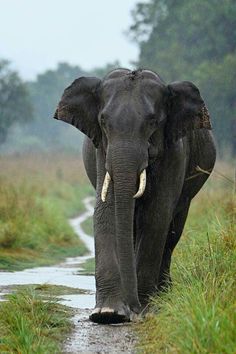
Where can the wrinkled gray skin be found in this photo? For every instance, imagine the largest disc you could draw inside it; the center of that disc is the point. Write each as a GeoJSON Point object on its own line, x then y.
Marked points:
{"type": "Point", "coordinates": [134, 121]}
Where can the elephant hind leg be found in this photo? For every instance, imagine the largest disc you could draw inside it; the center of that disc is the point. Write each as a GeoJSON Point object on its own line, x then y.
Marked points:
{"type": "Point", "coordinates": [174, 234]}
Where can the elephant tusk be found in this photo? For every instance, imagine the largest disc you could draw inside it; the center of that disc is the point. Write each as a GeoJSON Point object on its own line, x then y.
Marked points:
{"type": "Point", "coordinates": [142, 185]}
{"type": "Point", "coordinates": [105, 186]}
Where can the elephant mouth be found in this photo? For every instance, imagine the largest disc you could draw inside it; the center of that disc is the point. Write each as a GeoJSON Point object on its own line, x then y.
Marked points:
{"type": "Point", "coordinates": [141, 189]}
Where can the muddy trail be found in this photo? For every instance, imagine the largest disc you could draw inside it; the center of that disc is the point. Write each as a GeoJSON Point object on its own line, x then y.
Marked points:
{"type": "Point", "coordinates": [87, 337]}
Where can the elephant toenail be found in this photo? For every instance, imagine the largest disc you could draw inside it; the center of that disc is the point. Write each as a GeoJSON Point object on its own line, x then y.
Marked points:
{"type": "Point", "coordinates": [107, 310]}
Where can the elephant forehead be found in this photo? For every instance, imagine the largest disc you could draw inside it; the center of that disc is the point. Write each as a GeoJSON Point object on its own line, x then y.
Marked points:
{"type": "Point", "coordinates": [140, 87]}
{"type": "Point", "coordinates": [121, 72]}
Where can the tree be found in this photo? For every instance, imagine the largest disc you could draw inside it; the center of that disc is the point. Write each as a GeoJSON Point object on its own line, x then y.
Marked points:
{"type": "Point", "coordinates": [15, 105]}
{"type": "Point", "coordinates": [193, 40]}
{"type": "Point", "coordinates": [45, 94]}
{"type": "Point", "coordinates": [217, 84]}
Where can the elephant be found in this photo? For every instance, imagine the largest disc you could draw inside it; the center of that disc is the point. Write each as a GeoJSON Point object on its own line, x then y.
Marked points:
{"type": "Point", "coordinates": [148, 150]}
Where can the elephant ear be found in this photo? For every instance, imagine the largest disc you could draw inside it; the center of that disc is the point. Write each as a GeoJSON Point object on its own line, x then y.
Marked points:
{"type": "Point", "coordinates": [186, 111]}
{"type": "Point", "coordinates": [79, 106]}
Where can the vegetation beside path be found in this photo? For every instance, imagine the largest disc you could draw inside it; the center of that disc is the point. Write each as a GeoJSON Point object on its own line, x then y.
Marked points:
{"type": "Point", "coordinates": [28, 324]}
{"type": "Point", "coordinates": [38, 195]}
{"type": "Point", "coordinates": [198, 314]}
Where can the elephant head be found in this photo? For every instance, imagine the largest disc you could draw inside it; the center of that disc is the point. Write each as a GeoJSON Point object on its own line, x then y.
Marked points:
{"type": "Point", "coordinates": [133, 116]}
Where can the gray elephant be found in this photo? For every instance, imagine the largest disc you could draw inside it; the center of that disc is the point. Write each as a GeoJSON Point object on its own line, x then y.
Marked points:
{"type": "Point", "coordinates": [146, 148]}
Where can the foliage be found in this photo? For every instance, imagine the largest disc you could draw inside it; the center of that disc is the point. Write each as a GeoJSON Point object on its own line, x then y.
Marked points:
{"type": "Point", "coordinates": [217, 81]}
{"type": "Point", "coordinates": [87, 226]}
{"type": "Point", "coordinates": [198, 314]}
{"type": "Point", "coordinates": [15, 105]}
{"type": "Point", "coordinates": [29, 324]}
{"type": "Point", "coordinates": [193, 40]}
{"type": "Point", "coordinates": [88, 267]}
{"type": "Point", "coordinates": [38, 194]}
{"type": "Point", "coordinates": [43, 132]}
{"type": "Point", "coordinates": [47, 291]}
{"type": "Point", "coordinates": [45, 93]}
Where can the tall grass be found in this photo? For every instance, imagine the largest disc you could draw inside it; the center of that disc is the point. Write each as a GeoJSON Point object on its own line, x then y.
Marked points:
{"type": "Point", "coordinates": [28, 324]}
{"type": "Point", "coordinates": [198, 314]}
{"type": "Point", "coordinates": [38, 194]}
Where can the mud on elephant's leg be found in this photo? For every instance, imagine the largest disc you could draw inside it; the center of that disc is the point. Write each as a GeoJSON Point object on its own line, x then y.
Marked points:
{"type": "Point", "coordinates": [109, 305]}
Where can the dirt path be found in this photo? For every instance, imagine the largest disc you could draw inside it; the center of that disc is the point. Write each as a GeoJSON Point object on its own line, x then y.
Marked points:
{"type": "Point", "coordinates": [87, 336]}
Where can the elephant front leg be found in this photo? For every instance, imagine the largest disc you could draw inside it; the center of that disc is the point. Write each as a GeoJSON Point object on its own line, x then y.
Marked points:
{"type": "Point", "coordinates": [110, 307]}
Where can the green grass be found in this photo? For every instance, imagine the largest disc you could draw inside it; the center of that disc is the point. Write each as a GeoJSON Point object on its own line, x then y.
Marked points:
{"type": "Point", "coordinates": [198, 314]}
{"type": "Point", "coordinates": [28, 324]}
{"type": "Point", "coordinates": [88, 267]}
{"type": "Point", "coordinates": [34, 228]}
{"type": "Point", "coordinates": [38, 195]}
{"type": "Point", "coordinates": [87, 226]}
{"type": "Point", "coordinates": [44, 290]}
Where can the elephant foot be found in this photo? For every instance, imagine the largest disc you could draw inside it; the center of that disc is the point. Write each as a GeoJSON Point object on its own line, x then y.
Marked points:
{"type": "Point", "coordinates": [112, 312]}
{"type": "Point", "coordinates": [107, 315]}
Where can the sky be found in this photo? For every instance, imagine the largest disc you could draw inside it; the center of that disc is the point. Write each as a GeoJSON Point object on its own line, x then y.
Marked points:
{"type": "Point", "coordinates": [37, 34]}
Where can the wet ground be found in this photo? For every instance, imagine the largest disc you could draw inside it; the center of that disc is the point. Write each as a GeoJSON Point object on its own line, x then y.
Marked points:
{"type": "Point", "coordinates": [93, 338]}
{"type": "Point", "coordinates": [87, 336]}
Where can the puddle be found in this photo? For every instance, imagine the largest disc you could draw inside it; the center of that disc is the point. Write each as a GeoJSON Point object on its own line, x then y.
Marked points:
{"type": "Point", "coordinates": [87, 337]}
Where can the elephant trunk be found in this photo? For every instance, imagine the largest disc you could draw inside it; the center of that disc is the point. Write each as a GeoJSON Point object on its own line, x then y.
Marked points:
{"type": "Point", "coordinates": [124, 214]}
{"type": "Point", "coordinates": [125, 176]}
